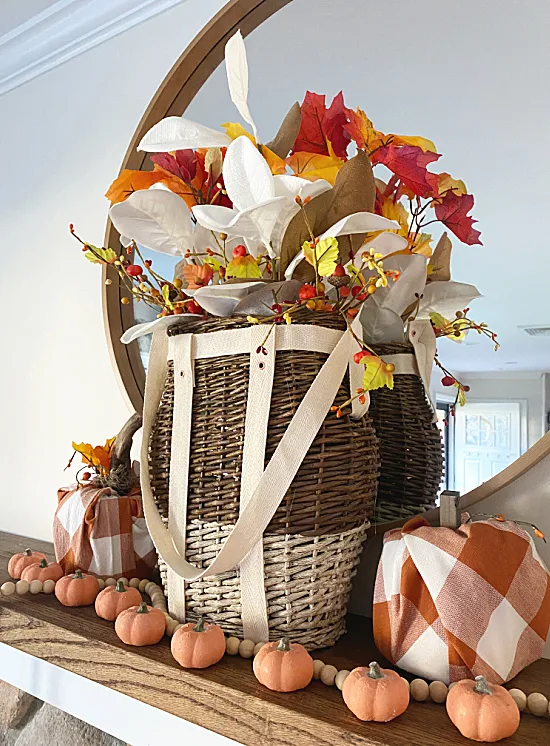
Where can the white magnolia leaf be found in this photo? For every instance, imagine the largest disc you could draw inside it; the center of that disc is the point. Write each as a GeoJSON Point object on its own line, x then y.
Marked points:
{"type": "Point", "coordinates": [446, 298]}
{"type": "Point", "coordinates": [289, 271]}
{"type": "Point", "coordinates": [236, 66]}
{"type": "Point", "coordinates": [221, 300]}
{"type": "Point", "coordinates": [155, 218]}
{"type": "Point", "coordinates": [224, 220]}
{"type": "Point", "coordinates": [259, 302]}
{"type": "Point", "coordinates": [287, 185]}
{"type": "Point", "coordinates": [401, 294]}
{"type": "Point", "coordinates": [381, 325]}
{"type": "Point", "coordinates": [178, 133]}
{"type": "Point", "coordinates": [270, 220]}
{"type": "Point", "coordinates": [360, 222]}
{"type": "Point", "coordinates": [247, 177]}
{"type": "Point", "coordinates": [384, 243]}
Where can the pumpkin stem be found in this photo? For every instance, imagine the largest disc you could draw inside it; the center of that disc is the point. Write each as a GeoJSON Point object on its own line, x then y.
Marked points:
{"type": "Point", "coordinates": [284, 645]}
{"type": "Point", "coordinates": [199, 626]}
{"type": "Point", "coordinates": [120, 587]}
{"type": "Point", "coordinates": [27, 552]}
{"type": "Point", "coordinates": [43, 563]}
{"type": "Point", "coordinates": [142, 608]}
{"type": "Point", "coordinates": [375, 672]}
{"type": "Point", "coordinates": [482, 686]}
{"type": "Point", "coordinates": [78, 575]}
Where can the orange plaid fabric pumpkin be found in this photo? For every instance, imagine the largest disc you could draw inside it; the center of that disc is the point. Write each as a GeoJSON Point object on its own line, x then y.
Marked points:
{"type": "Point", "coordinates": [450, 605]}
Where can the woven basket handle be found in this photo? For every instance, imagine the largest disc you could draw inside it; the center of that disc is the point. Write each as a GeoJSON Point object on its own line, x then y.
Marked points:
{"type": "Point", "coordinates": [276, 479]}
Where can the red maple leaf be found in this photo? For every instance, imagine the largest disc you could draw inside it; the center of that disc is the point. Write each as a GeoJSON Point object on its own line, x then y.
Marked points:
{"type": "Point", "coordinates": [183, 164]}
{"type": "Point", "coordinates": [320, 124]}
{"type": "Point", "coordinates": [409, 162]}
{"type": "Point", "coordinates": [453, 211]}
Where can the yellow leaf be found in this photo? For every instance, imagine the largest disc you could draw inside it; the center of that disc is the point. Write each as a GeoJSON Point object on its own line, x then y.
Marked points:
{"type": "Point", "coordinates": [166, 295]}
{"type": "Point", "coordinates": [276, 165]}
{"type": "Point", "coordinates": [461, 398]}
{"type": "Point", "coordinates": [446, 328]}
{"type": "Point", "coordinates": [234, 130]}
{"type": "Point", "coordinates": [312, 167]}
{"type": "Point", "coordinates": [446, 183]}
{"type": "Point", "coordinates": [421, 244]}
{"type": "Point", "coordinates": [376, 374]}
{"type": "Point", "coordinates": [86, 451]}
{"type": "Point", "coordinates": [326, 253]}
{"type": "Point", "coordinates": [108, 256]}
{"type": "Point", "coordinates": [101, 457]}
{"type": "Point", "coordinates": [394, 211]}
{"type": "Point", "coordinates": [211, 261]}
{"type": "Point", "coordinates": [420, 142]}
{"type": "Point", "coordinates": [243, 267]}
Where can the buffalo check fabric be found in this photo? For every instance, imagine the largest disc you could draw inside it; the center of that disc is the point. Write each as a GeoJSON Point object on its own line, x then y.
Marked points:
{"type": "Point", "coordinates": [450, 605]}
{"type": "Point", "coordinates": [98, 531]}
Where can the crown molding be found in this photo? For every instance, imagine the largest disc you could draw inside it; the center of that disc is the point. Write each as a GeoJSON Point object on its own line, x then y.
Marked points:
{"type": "Point", "coordinates": [66, 29]}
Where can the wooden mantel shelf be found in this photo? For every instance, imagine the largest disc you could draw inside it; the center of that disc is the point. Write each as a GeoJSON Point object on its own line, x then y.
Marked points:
{"type": "Point", "coordinates": [226, 699]}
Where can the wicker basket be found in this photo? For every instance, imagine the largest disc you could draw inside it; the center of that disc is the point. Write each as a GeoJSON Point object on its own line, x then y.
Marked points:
{"type": "Point", "coordinates": [313, 543]}
{"type": "Point", "coordinates": [411, 449]}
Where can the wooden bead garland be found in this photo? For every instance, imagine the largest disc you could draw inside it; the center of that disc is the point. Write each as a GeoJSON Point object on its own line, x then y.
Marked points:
{"type": "Point", "coordinates": [536, 703]}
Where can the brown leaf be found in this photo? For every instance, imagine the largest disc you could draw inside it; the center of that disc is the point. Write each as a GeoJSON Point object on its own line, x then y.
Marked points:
{"type": "Point", "coordinates": [354, 191]}
{"type": "Point", "coordinates": [440, 263]}
{"type": "Point", "coordinates": [285, 138]}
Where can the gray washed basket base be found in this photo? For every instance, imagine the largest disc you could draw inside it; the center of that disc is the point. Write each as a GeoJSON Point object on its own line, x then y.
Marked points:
{"type": "Point", "coordinates": [307, 583]}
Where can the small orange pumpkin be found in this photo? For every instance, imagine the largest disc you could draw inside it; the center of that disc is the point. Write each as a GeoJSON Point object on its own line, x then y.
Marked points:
{"type": "Point", "coordinates": [18, 562]}
{"type": "Point", "coordinates": [198, 645]}
{"type": "Point", "coordinates": [114, 599]}
{"type": "Point", "coordinates": [77, 589]}
{"type": "Point", "coordinates": [42, 571]}
{"type": "Point", "coordinates": [141, 625]}
{"type": "Point", "coordinates": [283, 666]}
{"type": "Point", "coordinates": [375, 693]}
{"type": "Point", "coordinates": [482, 712]}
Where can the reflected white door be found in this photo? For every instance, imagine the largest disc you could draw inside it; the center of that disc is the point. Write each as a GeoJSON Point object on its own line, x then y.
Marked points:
{"type": "Point", "coordinates": [487, 438]}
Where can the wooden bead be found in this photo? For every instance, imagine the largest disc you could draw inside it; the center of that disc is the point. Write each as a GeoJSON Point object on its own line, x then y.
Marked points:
{"type": "Point", "coordinates": [7, 589]}
{"type": "Point", "coordinates": [171, 626]}
{"type": "Point", "coordinates": [101, 583]}
{"type": "Point", "coordinates": [328, 675]}
{"type": "Point", "coordinates": [318, 666]}
{"type": "Point", "coordinates": [537, 704]}
{"type": "Point", "coordinates": [110, 581]}
{"type": "Point", "coordinates": [232, 645]}
{"type": "Point", "coordinates": [246, 649]}
{"type": "Point", "coordinates": [142, 585]}
{"type": "Point", "coordinates": [341, 676]}
{"type": "Point", "coordinates": [438, 692]}
{"type": "Point", "coordinates": [420, 691]}
{"type": "Point", "coordinates": [520, 698]}
{"type": "Point", "coordinates": [48, 587]}
{"type": "Point", "coordinates": [257, 647]}
{"type": "Point", "coordinates": [150, 587]}
{"type": "Point", "coordinates": [35, 587]}
{"type": "Point", "coordinates": [124, 580]}
{"type": "Point", "coordinates": [22, 587]}
{"type": "Point", "coordinates": [134, 583]}
{"type": "Point", "coordinates": [453, 683]}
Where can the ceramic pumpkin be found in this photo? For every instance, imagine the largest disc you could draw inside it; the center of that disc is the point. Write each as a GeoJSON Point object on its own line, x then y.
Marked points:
{"type": "Point", "coordinates": [77, 590]}
{"type": "Point", "coordinates": [482, 711]}
{"type": "Point", "coordinates": [18, 562]}
{"type": "Point", "coordinates": [374, 693]}
{"type": "Point", "coordinates": [141, 625]}
{"type": "Point", "coordinates": [115, 599]}
{"type": "Point", "coordinates": [283, 666]}
{"type": "Point", "coordinates": [43, 571]}
{"type": "Point", "coordinates": [198, 645]}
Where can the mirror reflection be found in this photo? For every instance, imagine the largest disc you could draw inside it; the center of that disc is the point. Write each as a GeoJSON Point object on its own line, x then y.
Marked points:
{"type": "Point", "coordinates": [462, 76]}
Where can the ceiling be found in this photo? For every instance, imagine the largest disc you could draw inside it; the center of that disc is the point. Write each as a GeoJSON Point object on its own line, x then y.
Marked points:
{"type": "Point", "coordinates": [16, 12]}
{"type": "Point", "coordinates": [469, 77]}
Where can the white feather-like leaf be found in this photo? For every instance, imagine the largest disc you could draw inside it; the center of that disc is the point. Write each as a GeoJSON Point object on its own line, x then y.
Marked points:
{"type": "Point", "coordinates": [247, 177]}
{"type": "Point", "coordinates": [236, 66]}
{"type": "Point", "coordinates": [221, 300]}
{"type": "Point", "coordinates": [381, 325]}
{"type": "Point", "coordinates": [155, 218]}
{"type": "Point", "coordinates": [411, 281]}
{"type": "Point", "coordinates": [224, 220]}
{"type": "Point", "coordinates": [178, 133]}
{"type": "Point", "coordinates": [446, 298]}
{"type": "Point", "coordinates": [359, 222]}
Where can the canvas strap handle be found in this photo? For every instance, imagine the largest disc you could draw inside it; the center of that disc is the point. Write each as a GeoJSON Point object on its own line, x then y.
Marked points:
{"type": "Point", "coordinates": [275, 480]}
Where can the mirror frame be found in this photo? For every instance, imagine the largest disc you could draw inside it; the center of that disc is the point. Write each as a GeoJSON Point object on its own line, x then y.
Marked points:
{"type": "Point", "coordinates": [185, 79]}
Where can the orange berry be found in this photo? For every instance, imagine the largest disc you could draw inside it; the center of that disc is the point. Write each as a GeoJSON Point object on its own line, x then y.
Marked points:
{"type": "Point", "coordinates": [389, 367]}
{"type": "Point", "coordinates": [306, 292]}
{"type": "Point", "coordinates": [352, 312]}
{"type": "Point", "coordinates": [371, 289]}
{"type": "Point", "coordinates": [86, 476]}
{"type": "Point", "coordinates": [334, 409]}
{"type": "Point", "coordinates": [320, 288]}
{"type": "Point", "coordinates": [362, 399]}
{"type": "Point", "coordinates": [500, 518]}
{"type": "Point", "coordinates": [125, 300]}
{"type": "Point", "coordinates": [539, 534]}
{"type": "Point", "coordinates": [311, 305]}
{"type": "Point", "coordinates": [344, 291]}
{"type": "Point", "coordinates": [320, 305]}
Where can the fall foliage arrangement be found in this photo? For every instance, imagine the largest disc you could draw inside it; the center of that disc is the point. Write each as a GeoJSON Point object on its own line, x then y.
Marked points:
{"type": "Point", "coordinates": [330, 215]}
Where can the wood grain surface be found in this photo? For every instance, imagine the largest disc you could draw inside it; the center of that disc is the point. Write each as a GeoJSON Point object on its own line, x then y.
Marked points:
{"type": "Point", "coordinates": [226, 698]}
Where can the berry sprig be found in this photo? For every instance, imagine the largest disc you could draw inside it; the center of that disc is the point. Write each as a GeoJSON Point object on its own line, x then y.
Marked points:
{"type": "Point", "coordinates": [461, 389]}
{"type": "Point", "coordinates": [460, 325]}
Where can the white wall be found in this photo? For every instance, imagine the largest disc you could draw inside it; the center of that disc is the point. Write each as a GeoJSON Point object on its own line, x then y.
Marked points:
{"type": "Point", "coordinates": [505, 386]}
{"type": "Point", "coordinates": [63, 137]}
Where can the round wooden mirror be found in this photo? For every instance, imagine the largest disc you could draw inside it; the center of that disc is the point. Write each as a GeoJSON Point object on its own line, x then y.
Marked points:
{"type": "Point", "coordinates": [426, 71]}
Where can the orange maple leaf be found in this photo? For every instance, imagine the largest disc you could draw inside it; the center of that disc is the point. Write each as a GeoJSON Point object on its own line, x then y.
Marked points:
{"type": "Point", "coordinates": [197, 276]}
{"type": "Point", "coordinates": [129, 182]}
